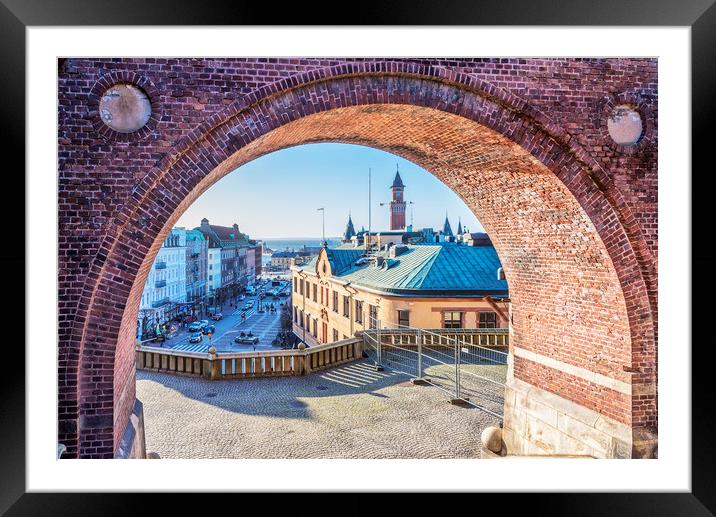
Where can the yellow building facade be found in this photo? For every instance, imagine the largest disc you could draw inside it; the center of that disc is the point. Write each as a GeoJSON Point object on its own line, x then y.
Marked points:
{"type": "Point", "coordinates": [342, 292]}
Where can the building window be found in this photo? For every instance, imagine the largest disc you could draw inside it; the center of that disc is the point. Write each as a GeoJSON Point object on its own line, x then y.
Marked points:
{"type": "Point", "coordinates": [295, 315]}
{"type": "Point", "coordinates": [315, 328]}
{"type": "Point", "coordinates": [359, 311]}
{"type": "Point", "coordinates": [315, 292]}
{"type": "Point", "coordinates": [372, 316]}
{"type": "Point", "coordinates": [295, 285]}
{"type": "Point", "coordinates": [346, 307]}
{"type": "Point", "coordinates": [404, 318]}
{"type": "Point", "coordinates": [335, 335]}
{"type": "Point", "coordinates": [335, 301]}
{"type": "Point", "coordinates": [452, 319]}
{"type": "Point", "coordinates": [300, 318]}
{"type": "Point", "coordinates": [301, 283]}
{"type": "Point", "coordinates": [488, 320]}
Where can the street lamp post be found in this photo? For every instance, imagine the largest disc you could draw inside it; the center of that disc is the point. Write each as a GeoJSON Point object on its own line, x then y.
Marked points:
{"type": "Point", "coordinates": [323, 231]}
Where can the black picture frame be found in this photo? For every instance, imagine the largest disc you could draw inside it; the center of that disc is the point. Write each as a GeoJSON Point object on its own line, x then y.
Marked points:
{"type": "Point", "coordinates": [699, 15]}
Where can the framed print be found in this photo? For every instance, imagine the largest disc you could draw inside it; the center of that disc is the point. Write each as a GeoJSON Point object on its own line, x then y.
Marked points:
{"type": "Point", "coordinates": [278, 252]}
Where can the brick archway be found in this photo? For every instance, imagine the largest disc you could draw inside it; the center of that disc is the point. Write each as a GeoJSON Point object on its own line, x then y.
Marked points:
{"type": "Point", "coordinates": [581, 272]}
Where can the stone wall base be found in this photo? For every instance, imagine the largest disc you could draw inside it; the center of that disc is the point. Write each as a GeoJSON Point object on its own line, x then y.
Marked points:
{"type": "Point", "coordinates": [133, 445]}
{"type": "Point", "coordinates": [538, 422]}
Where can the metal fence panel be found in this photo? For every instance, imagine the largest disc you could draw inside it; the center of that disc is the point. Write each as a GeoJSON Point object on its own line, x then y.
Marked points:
{"type": "Point", "coordinates": [461, 362]}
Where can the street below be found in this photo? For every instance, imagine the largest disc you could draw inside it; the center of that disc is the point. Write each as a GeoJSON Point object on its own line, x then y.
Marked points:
{"type": "Point", "coordinates": [259, 320]}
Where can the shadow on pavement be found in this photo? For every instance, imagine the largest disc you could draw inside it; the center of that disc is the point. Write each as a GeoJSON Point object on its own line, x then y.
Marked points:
{"type": "Point", "coordinates": [280, 396]}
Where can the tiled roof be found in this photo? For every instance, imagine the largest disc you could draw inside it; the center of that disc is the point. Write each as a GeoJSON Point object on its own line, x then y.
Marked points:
{"type": "Point", "coordinates": [227, 233]}
{"type": "Point", "coordinates": [217, 235]}
{"type": "Point", "coordinates": [423, 269]}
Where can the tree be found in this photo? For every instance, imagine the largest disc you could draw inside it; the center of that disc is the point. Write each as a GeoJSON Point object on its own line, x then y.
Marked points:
{"type": "Point", "coordinates": [285, 337]}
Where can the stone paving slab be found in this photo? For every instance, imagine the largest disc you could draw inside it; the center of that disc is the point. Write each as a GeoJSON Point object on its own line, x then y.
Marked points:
{"type": "Point", "coordinates": [347, 412]}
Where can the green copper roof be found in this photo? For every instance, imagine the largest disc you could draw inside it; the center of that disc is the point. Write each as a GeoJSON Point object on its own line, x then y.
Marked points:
{"type": "Point", "coordinates": [192, 235]}
{"type": "Point", "coordinates": [436, 270]}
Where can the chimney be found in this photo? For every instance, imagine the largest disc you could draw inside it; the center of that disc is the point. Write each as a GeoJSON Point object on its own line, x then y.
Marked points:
{"type": "Point", "coordinates": [205, 224]}
{"type": "Point", "coordinates": [398, 250]}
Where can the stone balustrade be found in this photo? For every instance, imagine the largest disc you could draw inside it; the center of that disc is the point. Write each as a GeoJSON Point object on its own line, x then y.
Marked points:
{"type": "Point", "coordinates": [236, 365]}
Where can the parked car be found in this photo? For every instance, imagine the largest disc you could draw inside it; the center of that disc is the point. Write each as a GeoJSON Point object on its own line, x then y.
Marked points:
{"type": "Point", "coordinates": [217, 317]}
{"type": "Point", "coordinates": [196, 337]}
{"type": "Point", "coordinates": [204, 322]}
{"type": "Point", "coordinates": [245, 307]}
{"type": "Point", "coordinates": [194, 326]}
{"type": "Point", "coordinates": [207, 329]}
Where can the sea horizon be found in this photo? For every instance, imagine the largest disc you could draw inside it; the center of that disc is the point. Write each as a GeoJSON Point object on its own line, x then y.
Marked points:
{"type": "Point", "coordinates": [295, 243]}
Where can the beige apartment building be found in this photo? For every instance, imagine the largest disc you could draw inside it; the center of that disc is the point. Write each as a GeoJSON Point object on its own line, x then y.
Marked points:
{"type": "Point", "coordinates": [448, 285]}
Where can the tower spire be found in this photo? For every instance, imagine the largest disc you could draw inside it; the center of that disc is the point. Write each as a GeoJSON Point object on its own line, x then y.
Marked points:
{"type": "Point", "coordinates": [447, 230]}
{"type": "Point", "coordinates": [350, 230]}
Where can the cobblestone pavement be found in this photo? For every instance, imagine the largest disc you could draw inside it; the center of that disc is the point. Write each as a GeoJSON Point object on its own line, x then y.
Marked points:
{"type": "Point", "coordinates": [350, 411]}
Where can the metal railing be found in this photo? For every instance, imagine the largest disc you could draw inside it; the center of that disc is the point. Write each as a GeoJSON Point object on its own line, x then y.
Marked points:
{"type": "Point", "coordinates": [469, 364]}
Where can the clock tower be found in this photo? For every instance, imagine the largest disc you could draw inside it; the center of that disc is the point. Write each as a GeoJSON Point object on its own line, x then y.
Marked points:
{"type": "Point", "coordinates": [397, 204]}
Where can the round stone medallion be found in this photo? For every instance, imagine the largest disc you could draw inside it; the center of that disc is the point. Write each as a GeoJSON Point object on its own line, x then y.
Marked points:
{"type": "Point", "coordinates": [625, 125]}
{"type": "Point", "coordinates": [125, 108]}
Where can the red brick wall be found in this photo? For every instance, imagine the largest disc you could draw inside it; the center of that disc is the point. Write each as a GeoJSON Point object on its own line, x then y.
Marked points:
{"type": "Point", "coordinates": [523, 141]}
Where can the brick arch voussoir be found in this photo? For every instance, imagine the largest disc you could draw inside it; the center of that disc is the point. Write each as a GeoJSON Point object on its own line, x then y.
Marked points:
{"type": "Point", "coordinates": [463, 94]}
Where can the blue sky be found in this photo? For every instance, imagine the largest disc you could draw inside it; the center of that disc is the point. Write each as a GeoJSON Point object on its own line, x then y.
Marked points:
{"type": "Point", "coordinates": [277, 195]}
